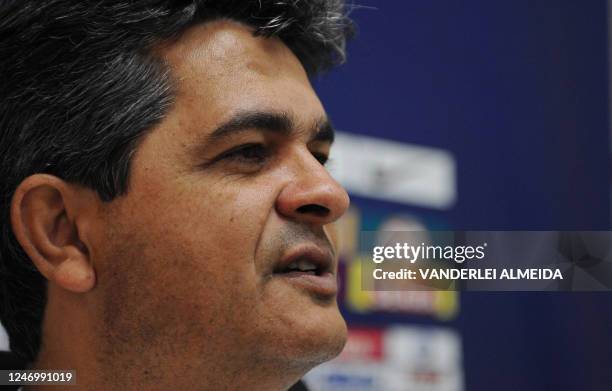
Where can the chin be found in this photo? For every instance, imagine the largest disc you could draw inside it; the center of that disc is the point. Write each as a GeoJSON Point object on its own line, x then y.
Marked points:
{"type": "Point", "coordinates": [320, 339]}
{"type": "Point", "coordinates": [336, 342]}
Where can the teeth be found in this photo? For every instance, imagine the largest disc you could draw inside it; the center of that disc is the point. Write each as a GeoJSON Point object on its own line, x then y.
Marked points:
{"type": "Point", "coordinates": [303, 266]}
{"type": "Point", "coordinates": [306, 266]}
{"type": "Point", "coordinates": [292, 266]}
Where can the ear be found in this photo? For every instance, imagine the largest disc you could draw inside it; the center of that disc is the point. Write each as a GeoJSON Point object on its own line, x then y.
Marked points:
{"type": "Point", "coordinates": [44, 214]}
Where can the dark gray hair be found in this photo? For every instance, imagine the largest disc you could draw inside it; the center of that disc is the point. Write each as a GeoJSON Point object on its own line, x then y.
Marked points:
{"type": "Point", "coordinates": [79, 86]}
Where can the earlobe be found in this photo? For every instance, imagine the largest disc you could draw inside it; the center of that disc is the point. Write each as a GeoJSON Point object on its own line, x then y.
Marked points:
{"type": "Point", "coordinates": [43, 216]}
{"type": "Point", "coordinates": [74, 274]}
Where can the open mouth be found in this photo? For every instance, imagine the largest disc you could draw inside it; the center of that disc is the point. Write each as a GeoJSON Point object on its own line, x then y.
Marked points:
{"type": "Point", "coordinates": [310, 268]}
{"type": "Point", "coordinates": [304, 266]}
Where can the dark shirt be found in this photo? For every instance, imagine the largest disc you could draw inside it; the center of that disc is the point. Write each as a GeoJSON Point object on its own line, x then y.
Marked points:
{"type": "Point", "coordinates": [9, 361]}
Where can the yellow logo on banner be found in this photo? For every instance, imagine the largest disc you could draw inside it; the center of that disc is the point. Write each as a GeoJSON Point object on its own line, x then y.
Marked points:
{"type": "Point", "coordinates": [443, 305]}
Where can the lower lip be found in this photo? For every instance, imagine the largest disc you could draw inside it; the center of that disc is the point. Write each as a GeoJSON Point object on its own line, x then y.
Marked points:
{"type": "Point", "coordinates": [322, 285]}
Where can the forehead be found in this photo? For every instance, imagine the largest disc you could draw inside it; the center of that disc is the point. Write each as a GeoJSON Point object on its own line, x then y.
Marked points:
{"type": "Point", "coordinates": [221, 65]}
{"type": "Point", "coordinates": [224, 47]}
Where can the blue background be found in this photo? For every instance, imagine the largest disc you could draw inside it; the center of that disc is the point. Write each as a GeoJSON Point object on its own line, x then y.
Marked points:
{"type": "Point", "coordinates": [517, 90]}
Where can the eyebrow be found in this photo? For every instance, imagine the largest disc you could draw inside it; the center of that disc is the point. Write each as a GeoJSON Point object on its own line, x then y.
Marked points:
{"type": "Point", "coordinates": [276, 122]}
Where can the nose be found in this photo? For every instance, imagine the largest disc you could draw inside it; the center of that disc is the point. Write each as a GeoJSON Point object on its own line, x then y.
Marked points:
{"type": "Point", "coordinates": [312, 196]}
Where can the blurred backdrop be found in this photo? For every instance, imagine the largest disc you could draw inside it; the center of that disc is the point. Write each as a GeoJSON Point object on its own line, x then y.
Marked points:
{"type": "Point", "coordinates": [482, 115]}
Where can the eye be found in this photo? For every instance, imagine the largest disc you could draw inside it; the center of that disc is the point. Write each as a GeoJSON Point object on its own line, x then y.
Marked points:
{"type": "Point", "coordinates": [246, 153]}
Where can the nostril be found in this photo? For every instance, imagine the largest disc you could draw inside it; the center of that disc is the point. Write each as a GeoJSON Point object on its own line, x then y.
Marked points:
{"type": "Point", "coordinates": [314, 209]}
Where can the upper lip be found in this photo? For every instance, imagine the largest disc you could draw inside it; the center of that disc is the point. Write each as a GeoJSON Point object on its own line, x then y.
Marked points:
{"type": "Point", "coordinates": [321, 257]}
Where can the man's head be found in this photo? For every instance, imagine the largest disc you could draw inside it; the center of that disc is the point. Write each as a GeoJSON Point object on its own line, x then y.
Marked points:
{"type": "Point", "coordinates": [162, 167]}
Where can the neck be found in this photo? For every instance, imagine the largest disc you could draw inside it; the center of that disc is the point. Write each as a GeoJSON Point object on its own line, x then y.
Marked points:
{"type": "Point", "coordinates": [106, 360]}
{"type": "Point", "coordinates": [131, 374]}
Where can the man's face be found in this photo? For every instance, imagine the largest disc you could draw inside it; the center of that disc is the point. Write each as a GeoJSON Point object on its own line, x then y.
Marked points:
{"type": "Point", "coordinates": [228, 191]}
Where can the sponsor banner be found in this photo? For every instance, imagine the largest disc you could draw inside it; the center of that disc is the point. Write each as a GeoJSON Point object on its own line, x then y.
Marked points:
{"type": "Point", "coordinates": [410, 359]}
{"type": "Point", "coordinates": [442, 305]}
{"type": "Point", "coordinates": [365, 345]}
{"type": "Point", "coordinates": [392, 171]}
{"type": "Point", "coordinates": [347, 377]}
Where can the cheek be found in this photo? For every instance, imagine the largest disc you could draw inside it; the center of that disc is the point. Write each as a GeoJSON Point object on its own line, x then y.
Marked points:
{"type": "Point", "coordinates": [190, 267]}
{"type": "Point", "coordinates": [221, 227]}
{"type": "Point", "coordinates": [206, 223]}
{"type": "Point", "coordinates": [190, 244]}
